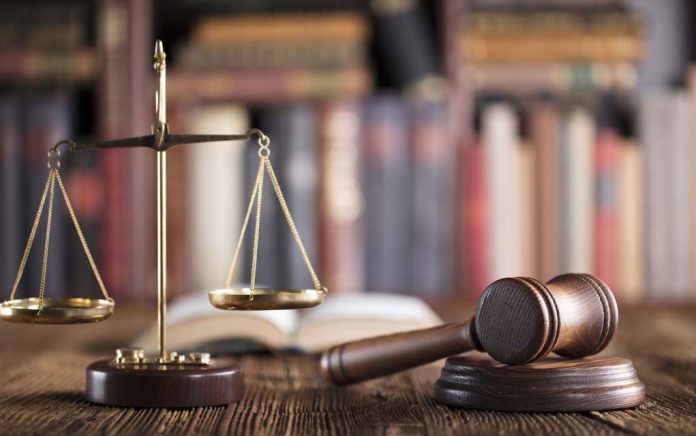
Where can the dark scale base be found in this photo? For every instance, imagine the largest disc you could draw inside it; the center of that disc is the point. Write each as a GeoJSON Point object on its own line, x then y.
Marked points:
{"type": "Point", "coordinates": [153, 385]}
{"type": "Point", "coordinates": [475, 381]}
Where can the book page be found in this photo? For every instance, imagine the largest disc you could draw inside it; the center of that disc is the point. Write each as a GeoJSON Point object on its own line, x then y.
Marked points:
{"type": "Point", "coordinates": [191, 320]}
{"type": "Point", "coordinates": [344, 318]}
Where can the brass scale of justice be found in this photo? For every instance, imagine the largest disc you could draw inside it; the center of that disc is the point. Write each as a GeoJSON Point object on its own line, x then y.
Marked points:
{"type": "Point", "coordinates": [169, 379]}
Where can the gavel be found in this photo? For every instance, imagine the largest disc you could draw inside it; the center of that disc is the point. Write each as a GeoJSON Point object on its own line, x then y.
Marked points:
{"type": "Point", "coordinates": [518, 320]}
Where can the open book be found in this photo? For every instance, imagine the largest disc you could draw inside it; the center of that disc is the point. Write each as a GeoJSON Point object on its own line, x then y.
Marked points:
{"type": "Point", "coordinates": [193, 323]}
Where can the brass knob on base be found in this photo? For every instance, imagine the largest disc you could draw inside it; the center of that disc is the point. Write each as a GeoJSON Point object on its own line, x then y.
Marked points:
{"type": "Point", "coordinates": [518, 320]}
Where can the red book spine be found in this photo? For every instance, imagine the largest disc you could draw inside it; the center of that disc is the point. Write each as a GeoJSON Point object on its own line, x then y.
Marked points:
{"type": "Point", "coordinates": [606, 231]}
{"type": "Point", "coordinates": [473, 216]}
{"type": "Point", "coordinates": [341, 201]}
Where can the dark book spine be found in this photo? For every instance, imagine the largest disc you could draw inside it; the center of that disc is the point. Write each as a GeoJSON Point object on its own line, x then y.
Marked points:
{"type": "Point", "coordinates": [10, 192]}
{"type": "Point", "coordinates": [388, 195]}
{"type": "Point", "coordinates": [297, 165]}
{"type": "Point", "coordinates": [433, 200]}
{"type": "Point", "coordinates": [406, 41]}
{"type": "Point", "coordinates": [270, 258]}
{"type": "Point", "coordinates": [85, 186]}
{"type": "Point", "coordinates": [48, 120]}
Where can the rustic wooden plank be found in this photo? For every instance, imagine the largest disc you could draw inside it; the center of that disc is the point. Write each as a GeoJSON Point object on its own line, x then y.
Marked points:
{"type": "Point", "coordinates": [42, 377]}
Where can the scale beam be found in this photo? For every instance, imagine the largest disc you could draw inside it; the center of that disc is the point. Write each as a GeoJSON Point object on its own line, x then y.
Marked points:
{"type": "Point", "coordinates": [168, 141]}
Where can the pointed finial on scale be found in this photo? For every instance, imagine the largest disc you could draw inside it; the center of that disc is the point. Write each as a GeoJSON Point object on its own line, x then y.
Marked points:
{"type": "Point", "coordinates": [160, 57]}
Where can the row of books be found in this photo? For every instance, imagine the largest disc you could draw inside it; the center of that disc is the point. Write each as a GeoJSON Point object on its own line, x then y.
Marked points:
{"type": "Point", "coordinates": [28, 126]}
{"type": "Point", "coordinates": [45, 42]}
{"type": "Point", "coordinates": [549, 186]}
{"type": "Point", "coordinates": [606, 35]}
{"type": "Point", "coordinates": [553, 186]}
{"type": "Point", "coordinates": [262, 59]}
{"type": "Point", "coordinates": [369, 184]}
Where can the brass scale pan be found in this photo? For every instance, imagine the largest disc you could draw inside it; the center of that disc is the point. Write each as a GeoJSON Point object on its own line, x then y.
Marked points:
{"type": "Point", "coordinates": [56, 310]}
{"type": "Point", "coordinates": [265, 298]}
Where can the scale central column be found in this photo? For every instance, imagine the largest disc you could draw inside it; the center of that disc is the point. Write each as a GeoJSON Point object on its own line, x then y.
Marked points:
{"type": "Point", "coordinates": [159, 132]}
{"type": "Point", "coordinates": [162, 253]}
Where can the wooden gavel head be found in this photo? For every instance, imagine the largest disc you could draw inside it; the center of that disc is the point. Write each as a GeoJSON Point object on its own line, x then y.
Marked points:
{"type": "Point", "coordinates": [518, 320]}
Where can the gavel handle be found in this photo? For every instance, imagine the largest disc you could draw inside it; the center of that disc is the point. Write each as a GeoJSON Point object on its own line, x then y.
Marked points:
{"type": "Point", "coordinates": [374, 357]}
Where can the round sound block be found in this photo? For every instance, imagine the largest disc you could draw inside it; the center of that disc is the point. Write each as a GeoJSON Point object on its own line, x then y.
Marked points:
{"type": "Point", "coordinates": [475, 381]}
{"type": "Point", "coordinates": [171, 385]}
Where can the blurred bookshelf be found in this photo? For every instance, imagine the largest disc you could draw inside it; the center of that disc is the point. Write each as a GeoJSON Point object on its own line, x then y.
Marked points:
{"type": "Point", "coordinates": [424, 147]}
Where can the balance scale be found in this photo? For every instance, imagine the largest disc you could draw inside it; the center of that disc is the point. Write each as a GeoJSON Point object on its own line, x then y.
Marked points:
{"type": "Point", "coordinates": [168, 379]}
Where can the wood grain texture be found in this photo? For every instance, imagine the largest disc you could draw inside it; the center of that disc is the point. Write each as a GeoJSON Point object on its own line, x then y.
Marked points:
{"type": "Point", "coordinates": [42, 382]}
{"type": "Point", "coordinates": [554, 384]}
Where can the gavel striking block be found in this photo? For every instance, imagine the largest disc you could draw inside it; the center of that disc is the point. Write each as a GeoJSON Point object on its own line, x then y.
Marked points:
{"type": "Point", "coordinates": [518, 320]}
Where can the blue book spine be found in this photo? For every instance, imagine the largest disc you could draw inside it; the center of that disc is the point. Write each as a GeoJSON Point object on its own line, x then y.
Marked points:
{"type": "Point", "coordinates": [433, 200]}
{"type": "Point", "coordinates": [10, 194]}
{"type": "Point", "coordinates": [387, 195]}
{"type": "Point", "coordinates": [297, 168]}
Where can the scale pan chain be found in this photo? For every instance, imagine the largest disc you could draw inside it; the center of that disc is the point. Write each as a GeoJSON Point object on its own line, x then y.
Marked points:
{"type": "Point", "coordinates": [253, 298]}
{"type": "Point", "coordinates": [41, 309]}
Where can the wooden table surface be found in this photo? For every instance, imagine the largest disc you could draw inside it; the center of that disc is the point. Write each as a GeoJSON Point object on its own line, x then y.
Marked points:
{"type": "Point", "coordinates": [42, 381]}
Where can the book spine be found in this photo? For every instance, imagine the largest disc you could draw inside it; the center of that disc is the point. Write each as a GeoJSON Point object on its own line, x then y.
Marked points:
{"type": "Point", "coordinates": [528, 210]}
{"type": "Point", "coordinates": [388, 195]}
{"type": "Point", "coordinates": [39, 66]}
{"type": "Point", "coordinates": [530, 78]}
{"type": "Point", "coordinates": [142, 214]}
{"type": "Point", "coordinates": [405, 40]}
{"type": "Point", "coordinates": [606, 222]}
{"type": "Point", "coordinates": [577, 191]}
{"type": "Point", "coordinates": [544, 130]}
{"type": "Point", "coordinates": [44, 25]}
{"type": "Point", "coordinates": [275, 54]}
{"type": "Point", "coordinates": [665, 133]}
{"type": "Point", "coordinates": [554, 21]}
{"type": "Point", "coordinates": [216, 201]}
{"type": "Point", "coordinates": [270, 85]}
{"type": "Point", "coordinates": [433, 202]}
{"type": "Point", "coordinates": [10, 198]}
{"type": "Point", "coordinates": [47, 121]}
{"type": "Point", "coordinates": [340, 27]}
{"type": "Point", "coordinates": [657, 135]}
{"type": "Point", "coordinates": [272, 263]}
{"type": "Point", "coordinates": [474, 221]}
{"type": "Point", "coordinates": [341, 197]}
{"type": "Point", "coordinates": [691, 82]}
{"type": "Point", "coordinates": [178, 244]}
{"type": "Point", "coordinates": [631, 211]}
{"type": "Point", "coordinates": [115, 123]}
{"type": "Point", "coordinates": [298, 170]}
{"type": "Point", "coordinates": [580, 47]}
{"type": "Point", "coordinates": [681, 191]}
{"type": "Point", "coordinates": [502, 165]}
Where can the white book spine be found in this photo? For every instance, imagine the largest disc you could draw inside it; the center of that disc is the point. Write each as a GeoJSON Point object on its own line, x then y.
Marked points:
{"type": "Point", "coordinates": [578, 197]}
{"type": "Point", "coordinates": [658, 134]}
{"type": "Point", "coordinates": [216, 189]}
{"type": "Point", "coordinates": [502, 164]}
{"type": "Point", "coordinates": [681, 190]}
